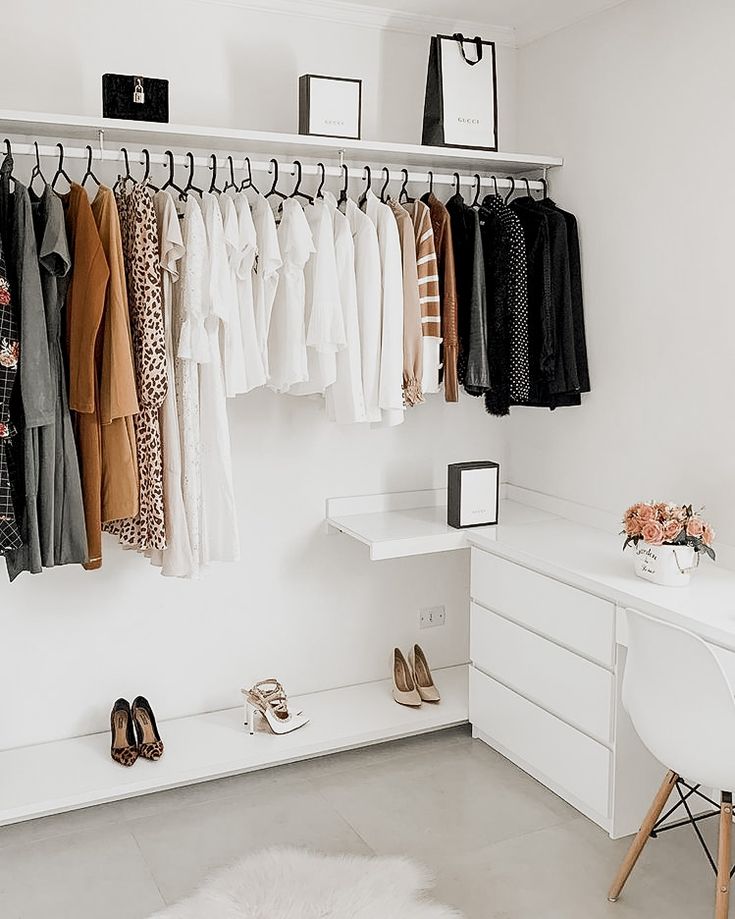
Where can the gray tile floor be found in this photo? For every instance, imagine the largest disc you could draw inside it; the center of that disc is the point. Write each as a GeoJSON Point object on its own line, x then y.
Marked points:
{"type": "Point", "coordinates": [500, 845]}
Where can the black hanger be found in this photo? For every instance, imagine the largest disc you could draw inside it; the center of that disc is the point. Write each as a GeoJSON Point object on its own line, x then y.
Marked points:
{"type": "Point", "coordinates": [403, 193]}
{"type": "Point", "coordinates": [495, 187]}
{"type": "Point", "coordinates": [169, 183]}
{"type": "Point", "coordinates": [88, 173]}
{"type": "Point", "coordinates": [431, 182]}
{"type": "Point", "coordinates": [546, 187]}
{"type": "Point", "coordinates": [457, 184]}
{"type": "Point", "coordinates": [273, 189]}
{"type": "Point", "coordinates": [346, 181]}
{"type": "Point", "coordinates": [297, 193]}
{"type": "Point", "coordinates": [213, 167]}
{"type": "Point", "coordinates": [247, 182]}
{"type": "Point", "coordinates": [230, 183]}
{"type": "Point", "coordinates": [368, 177]}
{"type": "Point", "coordinates": [323, 176]}
{"type": "Point", "coordinates": [128, 174]}
{"type": "Point", "coordinates": [190, 186]}
{"type": "Point", "coordinates": [36, 171]}
{"type": "Point", "coordinates": [8, 163]}
{"type": "Point", "coordinates": [147, 176]}
{"type": "Point", "coordinates": [60, 172]}
{"type": "Point", "coordinates": [122, 179]}
{"type": "Point", "coordinates": [528, 188]}
{"type": "Point", "coordinates": [384, 189]}
{"type": "Point", "coordinates": [512, 188]}
{"type": "Point", "coordinates": [476, 199]}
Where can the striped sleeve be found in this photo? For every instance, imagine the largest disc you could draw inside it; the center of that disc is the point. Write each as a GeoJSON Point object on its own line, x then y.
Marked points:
{"type": "Point", "coordinates": [428, 276]}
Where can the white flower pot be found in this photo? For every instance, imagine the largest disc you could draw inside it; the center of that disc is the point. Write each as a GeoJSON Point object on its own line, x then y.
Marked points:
{"type": "Point", "coordinates": [670, 566]}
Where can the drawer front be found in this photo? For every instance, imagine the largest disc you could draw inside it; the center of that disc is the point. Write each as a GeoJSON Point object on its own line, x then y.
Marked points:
{"type": "Point", "coordinates": [567, 758]}
{"type": "Point", "coordinates": [556, 679]}
{"type": "Point", "coordinates": [567, 615]}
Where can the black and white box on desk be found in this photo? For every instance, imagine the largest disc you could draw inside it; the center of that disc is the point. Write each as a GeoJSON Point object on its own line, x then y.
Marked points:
{"type": "Point", "coordinates": [473, 489]}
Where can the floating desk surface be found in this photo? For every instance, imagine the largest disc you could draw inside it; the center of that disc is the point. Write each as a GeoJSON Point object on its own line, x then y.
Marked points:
{"type": "Point", "coordinates": [414, 523]}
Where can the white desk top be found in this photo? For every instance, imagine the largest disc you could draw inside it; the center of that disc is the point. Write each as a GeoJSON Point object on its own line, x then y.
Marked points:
{"type": "Point", "coordinates": [593, 560]}
{"type": "Point", "coordinates": [398, 532]}
{"type": "Point", "coordinates": [414, 523]}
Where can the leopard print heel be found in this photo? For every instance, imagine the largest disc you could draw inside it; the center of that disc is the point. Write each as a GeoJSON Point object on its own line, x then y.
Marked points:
{"type": "Point", "coordinates": [124, 745]}
{"type": "Point", "coordinates": [149, 740]}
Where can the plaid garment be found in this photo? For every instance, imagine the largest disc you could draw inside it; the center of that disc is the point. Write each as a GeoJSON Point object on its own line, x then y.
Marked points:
{"type": "Point", "coordinates": [9, 357]}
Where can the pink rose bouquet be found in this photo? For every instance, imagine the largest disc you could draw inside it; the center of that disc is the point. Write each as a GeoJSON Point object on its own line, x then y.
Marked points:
{"type": "Point", "coordinates": [660, 524]}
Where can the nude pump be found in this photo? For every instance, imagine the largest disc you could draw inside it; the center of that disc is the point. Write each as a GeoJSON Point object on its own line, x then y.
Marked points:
{"type": "Point", "coordinates": [404, 688]}
{"type": "Point", "coordinates": [422, 675]}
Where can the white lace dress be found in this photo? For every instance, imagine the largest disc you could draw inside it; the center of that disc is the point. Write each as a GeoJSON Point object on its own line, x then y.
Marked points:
{"type": "Point", "coordinates": [219, 540]}
{"type": "Point", "coordinates": [192, 351]}
{"type": "Point", "coordinates": [176, 559]}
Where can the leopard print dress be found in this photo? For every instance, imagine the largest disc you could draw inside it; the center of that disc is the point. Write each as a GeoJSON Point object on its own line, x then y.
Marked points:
{"type": "Point", "coordinates": [142, 270]}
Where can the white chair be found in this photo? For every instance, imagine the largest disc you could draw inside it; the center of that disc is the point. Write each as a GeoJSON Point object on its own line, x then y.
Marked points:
{"type": "Point", "coordinates": [681, 704]}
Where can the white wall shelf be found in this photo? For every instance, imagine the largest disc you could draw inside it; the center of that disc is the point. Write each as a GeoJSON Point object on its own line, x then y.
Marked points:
{"type": "Point", "coordinates": [413, 522]}
{"type": "Point", "coordinates": [34, 125]}
{"type": "Point", "coordinates": [70, 774]}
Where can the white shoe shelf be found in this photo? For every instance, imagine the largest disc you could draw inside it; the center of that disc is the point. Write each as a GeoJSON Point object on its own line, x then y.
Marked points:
{"type": "Point", "coordinates": [65, 775]}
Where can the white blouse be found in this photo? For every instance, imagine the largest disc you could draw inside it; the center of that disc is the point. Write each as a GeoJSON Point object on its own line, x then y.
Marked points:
{"type": "Point", "coordinates": [265, 279]}
{"type": "Point", "coordinates": [368, 289]}
{"type": "Point", "coordinates": [345, 398]}
{"type": "Point", "coordinates": [325, 331]}
{"type": "Point", "coordinates": [247, 248]}
{"type": "Point", "coordinates": [287, 358]}
{"type": "Point", "coordinates": [391, 348]}
{"type": "Point", "coordinates": [231, 333]}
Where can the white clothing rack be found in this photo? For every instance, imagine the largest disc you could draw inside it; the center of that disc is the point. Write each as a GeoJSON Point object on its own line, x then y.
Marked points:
{"type": "Point", "coordinates": [285, 167]}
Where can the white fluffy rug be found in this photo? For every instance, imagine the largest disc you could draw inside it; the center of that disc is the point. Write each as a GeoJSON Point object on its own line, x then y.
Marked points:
{"type": "Point", "coordinates": [292, 884]}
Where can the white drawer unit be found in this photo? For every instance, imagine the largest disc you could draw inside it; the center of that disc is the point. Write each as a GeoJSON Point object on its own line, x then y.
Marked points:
{"type": "Point", "coordinates": [571, 617]}
{"type": "Point", "coordinates": [569, 762]}
{"type": "Point", "coordinates": [545, 684]}
{"type": "Point", "coordinates": [560, 681]}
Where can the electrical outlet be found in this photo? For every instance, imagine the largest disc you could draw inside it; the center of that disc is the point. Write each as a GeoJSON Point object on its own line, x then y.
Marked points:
{"type": "Point", "coordinates": [432, 616]}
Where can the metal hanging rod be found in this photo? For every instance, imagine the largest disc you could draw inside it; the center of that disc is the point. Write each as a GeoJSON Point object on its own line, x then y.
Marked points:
{"type": "Point", "coordinates": [285, 166]}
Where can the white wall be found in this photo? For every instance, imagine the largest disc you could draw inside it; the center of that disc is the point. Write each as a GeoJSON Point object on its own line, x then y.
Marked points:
{"type": "Point", "coordinates": [303, 606]}
{"type": "Point", "coordinates": [638, 100]}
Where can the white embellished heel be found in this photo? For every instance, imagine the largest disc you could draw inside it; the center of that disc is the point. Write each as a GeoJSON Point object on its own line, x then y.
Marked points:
{"type": "Point", "coordinates": [269, 699]}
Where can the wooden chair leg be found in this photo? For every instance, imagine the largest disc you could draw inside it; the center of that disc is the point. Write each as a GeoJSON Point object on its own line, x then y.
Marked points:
{"type": "Point", "coordinates": [722, 903]}
{"type": "Point", "coordinates": [644, 834]}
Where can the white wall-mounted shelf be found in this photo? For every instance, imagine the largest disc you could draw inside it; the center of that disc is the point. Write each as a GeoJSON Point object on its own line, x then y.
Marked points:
{"type": "Point", "coordinates": [69, 774]}
{"type": "Point", "coordinates": [34, 125]}
{"type": "Point", "coordinates": [413, 522]}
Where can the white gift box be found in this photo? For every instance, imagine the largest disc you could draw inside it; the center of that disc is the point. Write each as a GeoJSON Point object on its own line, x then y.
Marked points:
{"type": "Point", "coordinates": [473, 489]}
{"type": "Point", "coordinates": [330, 106]}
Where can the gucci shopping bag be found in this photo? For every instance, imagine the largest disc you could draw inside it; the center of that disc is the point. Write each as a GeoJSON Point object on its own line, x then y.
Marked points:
{"type": "Point", "coordinates": [461, 102]}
